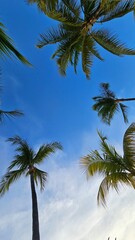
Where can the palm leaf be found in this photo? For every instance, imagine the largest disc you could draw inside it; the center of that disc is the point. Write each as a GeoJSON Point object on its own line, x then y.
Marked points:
{"type": "Point", "coordinates": [113, 181]}
{"type": "Point", "coordinates": [40, 177]}
{"type": "Point", "coordinates": [111, 43]}
{"type": "Point", "coordinates": [15, 113]}
{"type": "Point", "coordinates": [45, 151]}
{"type": "Point", "coordinates": [7, 48]}
{"type": "Point", "coordinates": [120, 9]}
{"type": "Point", "coordinates": [9, 178]}
{"type": "Point", "coordinates": [129, 145]}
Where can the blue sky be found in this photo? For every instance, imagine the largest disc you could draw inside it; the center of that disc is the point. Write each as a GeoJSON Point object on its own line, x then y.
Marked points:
{"type": "Point", "coordinates": [59, 109]}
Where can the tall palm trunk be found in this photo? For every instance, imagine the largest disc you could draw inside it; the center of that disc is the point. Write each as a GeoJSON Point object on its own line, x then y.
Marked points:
{"type": "Point", "coordinates": [35, 221]}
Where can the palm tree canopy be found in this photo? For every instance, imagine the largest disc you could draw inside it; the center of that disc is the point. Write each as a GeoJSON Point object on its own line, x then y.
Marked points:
{"type": "Point", "coordinates": [7, 48]}
{"type": "Point", "coordinates": [75, 35]}
{"type": "Point", "coordinates": [107, 105]}
{"type": "Point", "coordinates": [114, 168]}
{"type": "Point", "coordinates": [25, 162]}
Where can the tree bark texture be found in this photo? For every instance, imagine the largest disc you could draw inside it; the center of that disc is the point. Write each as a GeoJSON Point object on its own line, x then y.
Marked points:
{"type": "Point", "coordinates": [35, 220]}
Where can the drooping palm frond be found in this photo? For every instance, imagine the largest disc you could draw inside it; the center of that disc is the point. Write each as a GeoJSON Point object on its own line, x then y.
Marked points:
{"type": "Point", "coordinates": [9, 178]}
{"type": "Point", "coordinates": [7, 48]}
{"type": "Point", "coordinates": [76, 23]}
{"type": "Point", "coordinates": [111, 43]}
{"type": "Point", "coordinates": [107, 105]}
{"type": "Point", "coordinates": [40, 177]}
{"type": "Point", "coordinates": [114, 169]}
{"type": "Point", "coordinates": [129, 145]}
{"type": "Point", "coordinates": [9, 114]}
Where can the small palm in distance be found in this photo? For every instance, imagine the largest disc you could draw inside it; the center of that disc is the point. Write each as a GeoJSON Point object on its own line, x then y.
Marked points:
{"type": "Point", "coordinates": [107, 104]}
{"type": "Point", "coordinates": [75, 36]}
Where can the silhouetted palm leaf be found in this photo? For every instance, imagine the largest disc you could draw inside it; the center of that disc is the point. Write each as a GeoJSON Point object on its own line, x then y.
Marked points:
{"type": "Point", "coordinates": [107, 104]}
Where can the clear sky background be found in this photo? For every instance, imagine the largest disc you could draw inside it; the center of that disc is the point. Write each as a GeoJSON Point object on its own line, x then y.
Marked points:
{"type": "Point", "coordinates": [60, 109]}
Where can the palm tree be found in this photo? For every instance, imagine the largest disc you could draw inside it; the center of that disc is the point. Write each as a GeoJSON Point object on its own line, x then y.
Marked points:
{"type": "Point", "coordinates": [25, 163]}
{"type": "Point", "coordinates": [76, 35]}
{"type": "Point", "coordinates": [7, 48]}
{"type": "Point", "coordinates": [114, 168]}
{"type": "Point", "coordinates": [107, 104]}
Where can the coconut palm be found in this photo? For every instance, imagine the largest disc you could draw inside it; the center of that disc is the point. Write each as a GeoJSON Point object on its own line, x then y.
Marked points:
{"type": "Point", "coordinates": [7, 48]}
{"type": "Point", "coordinates": [107, 104]}
{"type": "Point", "coordinates": [76, 35]}
{"type": "Point", "coordinates": [114, 168]}
{"type": "Point", "coordinates": [25, 164]}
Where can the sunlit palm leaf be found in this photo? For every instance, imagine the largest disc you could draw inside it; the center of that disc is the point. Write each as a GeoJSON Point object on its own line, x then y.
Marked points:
{"type": "Point", "coordinates": [114, 169]}
{"type": "Point", "coordinates": [111, 43]}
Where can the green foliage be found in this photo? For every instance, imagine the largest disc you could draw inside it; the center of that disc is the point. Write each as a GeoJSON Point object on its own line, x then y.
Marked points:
{"type": "Point", "coordinates": [114, 168]}
{"type": "Point", "coordinates": [107, 105]}
{"type": "Point", "coordinates": [25, 162]}
{"type": "Point", "coordinates": [7, 48]}
{"type": "Point", "coordinates": [75, 35]}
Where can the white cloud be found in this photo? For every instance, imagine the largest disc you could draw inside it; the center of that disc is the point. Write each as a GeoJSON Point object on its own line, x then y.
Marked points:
{"type": "Point", "coordinates": [68, 207]}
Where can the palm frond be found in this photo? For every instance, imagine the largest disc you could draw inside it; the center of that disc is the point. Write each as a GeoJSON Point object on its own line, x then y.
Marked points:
{"type": "Point", "coordinates": [9, 114]}
{"type": "Point", "coordinates": [111, 43]}
{"type": "Point", "coordinates": [120, 9]}
{"type": "Point", "coordinates": [113, 181]}
{"type": "Point", "coordinates": [129, 145]}
{"type": "Point", "coordinates": [9, 178]}
{"type": "Point", "coordinates": [7, 48]}
{"type": "Point", "coordinates": [124, 112]}
{"type": "Point", "coordinates": [64, 14]}
{"type": "Point", "coordinates": [87, 56]}
{"type": "Point", "coordinates": [40, 177]}
{"type": "Point", "coordinates": [52, 36]}
{"type": "Point", "coordinates": [45, 151]}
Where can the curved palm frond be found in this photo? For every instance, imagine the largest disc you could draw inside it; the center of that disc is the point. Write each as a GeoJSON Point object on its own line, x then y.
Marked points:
{"type": "Point", "coordinates": [107, 105]}
{"type": "Point", "coordinates": [7, 48]}
{"type": "Point", "coordinates": [9, 178]}
{"type": "Point", "coordinates": [9, 114]}
{"type": "Point", "coordinates": [129, 145]}
{"type": "Point", "coordinates": [114, 169]}
{"type": "Point", "coordinates": [45, 151]}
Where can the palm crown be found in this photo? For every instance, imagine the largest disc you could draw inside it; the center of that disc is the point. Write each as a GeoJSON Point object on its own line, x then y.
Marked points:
{"type": "Point", "coordinates": [114, 168]}
{"type": "Point", "coordinates": [107, 104]}
{"type": "Point", "coordinates": [75, 34]}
